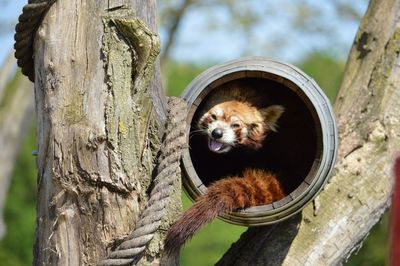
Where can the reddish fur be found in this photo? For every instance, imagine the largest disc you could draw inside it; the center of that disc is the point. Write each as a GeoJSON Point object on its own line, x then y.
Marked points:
{"type": "Point", "coordinates": [251, 118]}
{"type": "Point", "coordinates": [258, 121]}
{"type": "Point", "coordinates": [256, 187]}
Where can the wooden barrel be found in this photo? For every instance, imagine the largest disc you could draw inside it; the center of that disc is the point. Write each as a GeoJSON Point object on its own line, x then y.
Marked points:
{"type": "Point", "coordinates": [302, 152]}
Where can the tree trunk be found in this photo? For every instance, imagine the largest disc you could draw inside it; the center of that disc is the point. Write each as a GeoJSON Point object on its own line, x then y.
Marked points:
{"type": "Point", "coordinates": [100, 113]}
{"type": "Point", "coordinates": [16, 113]}
{"type": "Point", "coordinates": [359, 192]}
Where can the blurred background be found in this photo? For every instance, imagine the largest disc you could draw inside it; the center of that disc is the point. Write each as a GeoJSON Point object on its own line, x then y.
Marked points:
{"type": "Point", "coordinates": [313, 35]}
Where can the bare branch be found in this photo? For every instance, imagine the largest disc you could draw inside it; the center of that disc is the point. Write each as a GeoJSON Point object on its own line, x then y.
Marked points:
{"type": "Point", "coordinates": [176, 17]}
{"type": "Point", "coordinates": [359, 192]}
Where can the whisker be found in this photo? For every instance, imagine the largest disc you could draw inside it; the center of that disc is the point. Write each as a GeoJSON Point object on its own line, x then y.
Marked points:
{"type": "Point", "coordinates": [197, 132]}
{"type": "Point", "coordinates": [195, 123]}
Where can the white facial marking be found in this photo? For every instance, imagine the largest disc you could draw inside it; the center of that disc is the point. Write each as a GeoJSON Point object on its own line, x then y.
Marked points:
{"type": "Point", "coordinates": [228, 139]}
{"type": "Point", "coordinates": [219, 112]}
{"type": "Point", "coordinates": [228, 136]}
{"type": "Point", "coordinates": [235, 119]}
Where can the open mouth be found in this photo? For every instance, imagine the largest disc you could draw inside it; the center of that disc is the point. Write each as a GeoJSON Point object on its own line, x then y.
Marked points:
{"type": "Point", "coordinates": [218, 146]}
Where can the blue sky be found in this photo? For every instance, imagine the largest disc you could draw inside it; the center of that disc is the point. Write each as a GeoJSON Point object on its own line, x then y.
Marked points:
{"type": "Point", "coordinates": [275, 36]}
{"type": "Point", "coordinates": [9, 12]}
{"type": "Point", "coordinates": [207, 36]}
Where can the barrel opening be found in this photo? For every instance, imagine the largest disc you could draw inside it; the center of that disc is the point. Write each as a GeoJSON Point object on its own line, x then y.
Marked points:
{"type": "Point", "coordinates": [293, 152]}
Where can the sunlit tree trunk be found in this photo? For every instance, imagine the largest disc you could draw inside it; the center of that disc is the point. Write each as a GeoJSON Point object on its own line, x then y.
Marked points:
{"type": "Point", "coordinates": [368, 116]}
{"type": "Point", "coordinates": [100, 112]}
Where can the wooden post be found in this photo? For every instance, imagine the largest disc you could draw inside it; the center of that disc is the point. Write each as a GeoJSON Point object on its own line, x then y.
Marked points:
{"type": "Point", "coordinates": [100, 110]}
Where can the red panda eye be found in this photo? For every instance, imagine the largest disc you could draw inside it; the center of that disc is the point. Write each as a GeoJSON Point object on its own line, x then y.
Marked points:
{"type": "Point", "coordinates": [235, 125]}
{"type": "Point", "coordinates": [213, 116]}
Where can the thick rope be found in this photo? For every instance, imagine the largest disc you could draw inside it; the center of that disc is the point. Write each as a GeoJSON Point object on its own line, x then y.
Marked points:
{"type": "Point", "coordinates": [25, 30]}
{"type": "Point", "coordinates": [167, 173]}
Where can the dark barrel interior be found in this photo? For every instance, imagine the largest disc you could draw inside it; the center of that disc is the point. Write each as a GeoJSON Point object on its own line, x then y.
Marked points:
{"type": "Point", "coordinates": [289, 153]}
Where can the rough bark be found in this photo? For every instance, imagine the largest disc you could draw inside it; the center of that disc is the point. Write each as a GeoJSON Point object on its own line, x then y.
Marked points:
{"type": "Point", "coordinates": [359, 192]}
{"type": "Point", "coordinates": [100, 109]}
{"type": "Point", "coordinates": [16, 113]}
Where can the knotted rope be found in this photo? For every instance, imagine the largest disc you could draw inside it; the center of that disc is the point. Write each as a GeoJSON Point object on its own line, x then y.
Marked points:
{"type": "Point", "coordinates": [28, 22]}
{"type": "Point", "coordinates": [170, 151]}
{"type": "Point", "coordinates": [167, 173]}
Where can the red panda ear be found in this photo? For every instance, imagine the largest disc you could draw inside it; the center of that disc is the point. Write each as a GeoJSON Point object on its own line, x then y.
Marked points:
{"type": "Point", "coordinates": [256, 134]}
{"type": "Point", "coordinates": [271, 114]}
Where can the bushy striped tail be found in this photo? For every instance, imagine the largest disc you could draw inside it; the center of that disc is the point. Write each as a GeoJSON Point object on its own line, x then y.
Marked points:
{"type": "Point", "coordinates": [256, 187]}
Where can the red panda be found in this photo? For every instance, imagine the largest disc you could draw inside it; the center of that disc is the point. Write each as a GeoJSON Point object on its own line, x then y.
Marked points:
{"type": "Point", "coordinates": [233, 117]}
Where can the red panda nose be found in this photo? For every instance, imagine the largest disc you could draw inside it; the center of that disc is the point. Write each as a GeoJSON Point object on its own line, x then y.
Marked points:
{"type": "Point", "coordinates": [217, 133]}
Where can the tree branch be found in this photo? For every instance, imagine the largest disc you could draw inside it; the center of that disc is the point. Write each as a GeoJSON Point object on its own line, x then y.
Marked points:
{"type": "Point", "coordinates": [175, 22]}
{"type": "Point", "coordinates": [360, 189]}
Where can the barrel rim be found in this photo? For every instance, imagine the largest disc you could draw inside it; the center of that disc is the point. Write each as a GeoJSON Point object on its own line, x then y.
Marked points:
{"type": "Point", "coordinates": [325, 115]}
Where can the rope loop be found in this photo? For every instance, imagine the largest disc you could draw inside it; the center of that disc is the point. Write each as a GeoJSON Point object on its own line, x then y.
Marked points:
{"type": "Point", "coordinates": [167, 173]}
{"type": "Point", "coordinates": [28, 22]}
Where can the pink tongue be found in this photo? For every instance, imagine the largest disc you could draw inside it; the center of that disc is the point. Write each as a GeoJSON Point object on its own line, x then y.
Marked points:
{"type": "Point", "coordinates": [215, 145]}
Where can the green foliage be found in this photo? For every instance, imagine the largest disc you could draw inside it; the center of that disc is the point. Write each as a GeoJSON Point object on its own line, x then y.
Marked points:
{"type": "Point", "coordinates": [374, 250]}
{"type": "Point", "coordinates": [19, 212]}
{"type": "Point", "coordinates": [326, 71]}
{"type": "Point", "coordinates": [9, 92]}
{"type": "Point", "coordinates": [178, 76]}
{"type": "Point", "coordinates": [212, 241]}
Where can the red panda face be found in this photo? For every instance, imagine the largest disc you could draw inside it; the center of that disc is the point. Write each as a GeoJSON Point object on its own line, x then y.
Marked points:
{"type": "Point", "coordinates": [233, 123]}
